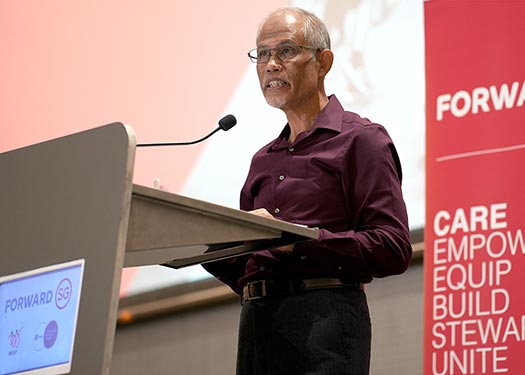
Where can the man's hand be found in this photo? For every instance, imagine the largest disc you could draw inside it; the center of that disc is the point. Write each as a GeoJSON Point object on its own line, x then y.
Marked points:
{"type": "Point", "coordinates": [264, 213]}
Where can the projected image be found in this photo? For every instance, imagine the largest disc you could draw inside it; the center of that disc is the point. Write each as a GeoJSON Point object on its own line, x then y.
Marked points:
{"type": "Point", "coordinates": [170, 88]}
{"type": "Point", "coordinates": [370, 75]}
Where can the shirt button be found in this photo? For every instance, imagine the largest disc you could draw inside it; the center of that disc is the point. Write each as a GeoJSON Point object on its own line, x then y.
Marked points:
{"type": "Point", "coordinates": [281, 177]}
{"type": "Point", "coordinates": [340, 268]}
{"type": "Point", "coordinates": [291, 149]}
{"type": "Point", "coordinates": [262, 268]}
{"type": "Point", "coordinates": [277, 210]}
{"type": "Point", "coordinates": [303, 257]}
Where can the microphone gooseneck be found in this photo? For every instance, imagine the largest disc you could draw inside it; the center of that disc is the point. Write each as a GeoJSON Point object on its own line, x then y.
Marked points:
{"type": "Point", "coordinates": [225, 123]}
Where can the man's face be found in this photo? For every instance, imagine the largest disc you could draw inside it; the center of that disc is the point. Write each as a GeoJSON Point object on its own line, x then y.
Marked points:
{"type": "Point", "coordinates": [290, 84]}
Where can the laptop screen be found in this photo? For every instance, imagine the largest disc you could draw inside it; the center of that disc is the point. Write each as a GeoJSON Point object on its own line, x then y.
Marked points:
{"type": "Point", "coordinates": [38, 316]}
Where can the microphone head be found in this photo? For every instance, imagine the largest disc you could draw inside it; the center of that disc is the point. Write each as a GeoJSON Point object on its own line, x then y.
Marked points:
{"type": "Point", "coordinates": [227, 122]}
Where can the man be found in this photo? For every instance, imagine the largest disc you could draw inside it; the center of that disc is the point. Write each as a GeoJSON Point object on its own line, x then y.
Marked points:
{"type": "Point", "coordinates": [303, 306]}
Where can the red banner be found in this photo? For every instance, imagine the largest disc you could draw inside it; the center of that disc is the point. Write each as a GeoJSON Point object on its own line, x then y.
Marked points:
{"type": "Point", "coordinates": [475, 213]}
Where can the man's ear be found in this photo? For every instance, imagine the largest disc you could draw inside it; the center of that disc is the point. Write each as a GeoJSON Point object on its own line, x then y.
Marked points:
{"type": "Point", "coordinates": [325, 59]}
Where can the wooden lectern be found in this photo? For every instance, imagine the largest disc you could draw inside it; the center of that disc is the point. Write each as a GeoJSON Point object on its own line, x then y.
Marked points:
{"type": "Point", "coordinates": [73, 198]}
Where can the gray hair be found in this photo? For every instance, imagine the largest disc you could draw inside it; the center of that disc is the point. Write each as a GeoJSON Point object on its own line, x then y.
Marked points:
{"type": "Point", "coordinates": [314, 30]}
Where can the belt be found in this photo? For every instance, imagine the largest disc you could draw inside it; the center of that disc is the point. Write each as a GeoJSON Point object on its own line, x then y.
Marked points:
{"type": "Point", "coordinates": [270, 288]}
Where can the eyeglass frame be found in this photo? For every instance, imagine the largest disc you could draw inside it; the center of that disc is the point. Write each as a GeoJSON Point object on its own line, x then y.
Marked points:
{"type": "Point", "coordinates": [255, 59]}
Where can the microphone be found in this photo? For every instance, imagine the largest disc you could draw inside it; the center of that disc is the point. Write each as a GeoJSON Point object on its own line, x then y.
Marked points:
{"type": "Point", "coordinates": [225, 123]}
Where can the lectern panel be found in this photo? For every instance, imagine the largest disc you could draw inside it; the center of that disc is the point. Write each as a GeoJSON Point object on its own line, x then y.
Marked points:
{"type": "Point", "coordinates": [179, 231]}
{"type": "Point", "coordinates": [68, 199]}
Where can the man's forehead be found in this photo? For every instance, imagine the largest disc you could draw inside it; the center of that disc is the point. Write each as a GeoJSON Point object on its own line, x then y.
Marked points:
{"type": "Point", "coordinates": [279, 28]}
{"type": "Point", "coordinates": [291, 18]}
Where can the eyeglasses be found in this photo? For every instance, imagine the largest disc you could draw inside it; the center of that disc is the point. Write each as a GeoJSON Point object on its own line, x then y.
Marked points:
{"type": "Point", "coordinates": [283, 52]}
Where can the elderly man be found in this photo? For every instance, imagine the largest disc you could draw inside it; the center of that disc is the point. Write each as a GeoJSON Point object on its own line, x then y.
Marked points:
{"type": "Point", "coordinates": [304, 309]}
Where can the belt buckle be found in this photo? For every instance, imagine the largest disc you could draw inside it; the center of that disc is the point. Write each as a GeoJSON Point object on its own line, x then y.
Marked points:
{"type": "Point", "coordinates": [250, 290]}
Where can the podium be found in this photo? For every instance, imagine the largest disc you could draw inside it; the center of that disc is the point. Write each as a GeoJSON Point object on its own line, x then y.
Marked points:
{"type": "Point", "coordinates": [73, 198]}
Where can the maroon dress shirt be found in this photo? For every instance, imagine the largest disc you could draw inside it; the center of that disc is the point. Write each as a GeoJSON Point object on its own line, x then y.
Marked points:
{"type": "Point", "coordinates": [343, 176]}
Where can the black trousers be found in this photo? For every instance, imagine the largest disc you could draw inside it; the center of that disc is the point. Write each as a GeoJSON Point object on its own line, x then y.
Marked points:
{"type": "Point", "coordinates": [325, 331]}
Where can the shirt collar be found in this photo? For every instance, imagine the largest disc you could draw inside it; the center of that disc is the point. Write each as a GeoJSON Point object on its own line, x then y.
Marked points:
{"type": "Point", "coordinates": [329, 118]}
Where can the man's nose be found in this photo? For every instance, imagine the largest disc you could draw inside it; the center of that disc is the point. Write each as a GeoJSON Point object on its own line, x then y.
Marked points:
{"type": "Point", "coordinates": [274, 63]}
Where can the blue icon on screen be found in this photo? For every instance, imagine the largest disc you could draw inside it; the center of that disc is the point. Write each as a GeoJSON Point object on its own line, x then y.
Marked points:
{"type": "Point", "coordinates": [50, 334]}
{"type": "Point", "coordinates": [45, 335]}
